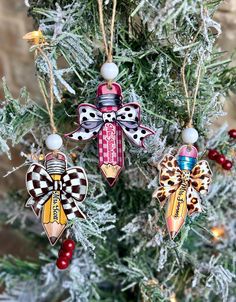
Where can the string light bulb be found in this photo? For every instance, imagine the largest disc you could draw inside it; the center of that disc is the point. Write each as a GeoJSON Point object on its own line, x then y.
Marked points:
{"type": "Point", "coordinates": [218, 232]}
{"type": "Point", "coordinates": [35, 37]}
{"type": "Point", "coordinates": [173, 298]}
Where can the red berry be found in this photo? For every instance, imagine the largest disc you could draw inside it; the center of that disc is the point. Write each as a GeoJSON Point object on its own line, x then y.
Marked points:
{"type": "Point", "coordinates": [67, 254]}
{"type": "Point", "coordinates": [68, 245]}
{"type": "Point", "coordinates": [227, 165]}
{"type": "Point", "coordinates": [212, 154]}
{"type": "Point", "coordinates": [232, 133]}
{"type": "Point", "coordinates": [220, 159]}
{"type": "Point", "coordinates": [62, 262]}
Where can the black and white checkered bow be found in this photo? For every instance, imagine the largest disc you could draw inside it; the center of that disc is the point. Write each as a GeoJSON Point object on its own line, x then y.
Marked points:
{"type": "Point", "coordinates": [72, 186]}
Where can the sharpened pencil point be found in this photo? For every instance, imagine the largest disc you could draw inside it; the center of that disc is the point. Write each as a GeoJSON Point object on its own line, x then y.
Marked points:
{"type": "Point", "coordinates": [111, 172]}
{"type": "Point", "coordinates": [111, 181]}
{"type": "Point", "coordinates": [53, 240]}
{"type": "Point", "coordinates": [173, 235]}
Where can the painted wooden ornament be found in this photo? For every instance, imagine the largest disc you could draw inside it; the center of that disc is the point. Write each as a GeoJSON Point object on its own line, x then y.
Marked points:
{"type": "Point", "coordinates": [181, 181]}
{"type": "Point", "coordinates": [55, 192]}
{"type": "Point", "coordinates": [108, 121]}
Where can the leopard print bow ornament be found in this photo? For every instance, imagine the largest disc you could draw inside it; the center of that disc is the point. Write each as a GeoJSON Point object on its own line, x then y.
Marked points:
{"type": "Point", "coordinates": [181, 180]}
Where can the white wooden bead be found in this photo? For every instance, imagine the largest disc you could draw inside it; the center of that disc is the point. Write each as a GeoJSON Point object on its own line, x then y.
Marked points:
{"type": "Point", "coordinates": [109, 71]}
{"type": "Point", "coordinates": [54, 142]}
{"type": "Point", "coordinates": [189, 135]}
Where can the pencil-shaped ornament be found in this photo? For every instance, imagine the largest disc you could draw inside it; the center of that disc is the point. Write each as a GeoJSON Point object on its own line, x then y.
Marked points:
{"type": "Point", "coordinates": [181, 179]}
{"type": "Point", "coordinates": [109, 120]}
{"type": "Point", "coordinates": [55, 190]}
{"type": "Point", "coordinates": [177, 205]}
{"type": "Point", "coordinates": [110, 137]}
{"type": "Point", "coordinates": [53, 215]}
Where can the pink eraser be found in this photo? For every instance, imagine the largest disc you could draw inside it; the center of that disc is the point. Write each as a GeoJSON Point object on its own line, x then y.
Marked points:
{"type": "Point", "coordinates": [189, 151]}
{"type": "Point", "coordinates": [52, 155]}
{"type": "Point", "coordinates": [104, 89]}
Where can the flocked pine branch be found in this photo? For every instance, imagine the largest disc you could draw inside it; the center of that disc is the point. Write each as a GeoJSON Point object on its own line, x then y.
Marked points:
{"type": "Point", "coordinates": [65, 45]}
{"type": "Point", "coordinates": [138, 261]}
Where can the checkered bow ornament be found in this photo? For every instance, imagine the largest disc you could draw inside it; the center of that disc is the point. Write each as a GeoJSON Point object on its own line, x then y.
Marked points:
{"type": "Point", "coordinates": [108, 121]}
{"type": "Point", "coordinates": [42, 183]}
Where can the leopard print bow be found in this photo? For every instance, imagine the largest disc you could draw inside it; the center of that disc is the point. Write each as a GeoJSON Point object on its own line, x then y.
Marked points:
{"type": "Point", "coordinates": [171, 177]}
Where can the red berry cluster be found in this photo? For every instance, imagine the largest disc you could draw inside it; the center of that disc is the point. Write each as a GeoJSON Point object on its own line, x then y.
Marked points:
{"type": "Point", "coordinates": [65, 254]}
{"type": "Point", "coordinates": [213, 154]}
{"type": "Point", "coordinates": [226, 164]}
{"type": "Point", "coordinates": [232, 133]}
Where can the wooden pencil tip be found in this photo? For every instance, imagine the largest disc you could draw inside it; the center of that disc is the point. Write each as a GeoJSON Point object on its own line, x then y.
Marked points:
{"type": "Point", "coordinates": [54, 231]}
{"type": "Point", "coordinates": [111, 172]}
{"type": "Point", "coordinates": [173, 235]}
{"type": "Point", "coordinates": [111, 181]}
{"type": "Point", "coordinates": [53, 240]}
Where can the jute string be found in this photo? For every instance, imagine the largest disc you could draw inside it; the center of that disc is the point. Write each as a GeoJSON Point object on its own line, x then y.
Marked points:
{"type": "Point", "coordinates": [108, 45]}
{"type": "Point", "coordinates": [49, 104]}
{"type": "Point", "coordinates": [198, 74]}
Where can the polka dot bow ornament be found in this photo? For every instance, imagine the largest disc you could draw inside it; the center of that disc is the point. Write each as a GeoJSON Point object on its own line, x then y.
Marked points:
{"type": "Point", "coordinates": [108, 121]}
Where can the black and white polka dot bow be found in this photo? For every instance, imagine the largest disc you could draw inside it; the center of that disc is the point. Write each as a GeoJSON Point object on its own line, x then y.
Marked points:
{"type": "Point", "coordinates": [91, 120]}
{"type": "Point", "coordinates": [72, 188]}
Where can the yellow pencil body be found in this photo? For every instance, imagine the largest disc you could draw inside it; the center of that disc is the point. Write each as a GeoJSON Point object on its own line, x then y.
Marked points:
{"type": "Point", "coordinates": [177, 207]}
{"type": "Point", "coordinates": [53, 216]}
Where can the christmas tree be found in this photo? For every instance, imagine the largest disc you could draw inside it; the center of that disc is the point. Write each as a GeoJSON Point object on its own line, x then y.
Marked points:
{"type": "Point", "coordinates": [167, 57]}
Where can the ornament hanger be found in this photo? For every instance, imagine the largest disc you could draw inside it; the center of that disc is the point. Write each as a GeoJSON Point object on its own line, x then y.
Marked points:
{"type": "Point", "coordinates": [190, 134]}
{"type": "Point", "coordinates": [53, 141]}
{"type": "Point", "coordinates": [191, 112]}
{"type": "Point", "coordinates": [49, 106]}
{"type": "Point", "coordinates": [55, 190]}
{"type": "Point", "coordinates": [109, 70]}
{"type": "Point", "coordinates": [182, 178]}
{"type": "Point", "coordinates": [37, 39]}
{"type": "Point", "coordinates": [108, 45]}
{"type": "Point", "coordinates": [109, 120]}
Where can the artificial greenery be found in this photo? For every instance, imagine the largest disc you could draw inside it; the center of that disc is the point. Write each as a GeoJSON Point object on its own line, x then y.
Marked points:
{"type": "Point", "coordinates": [132, 258]}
